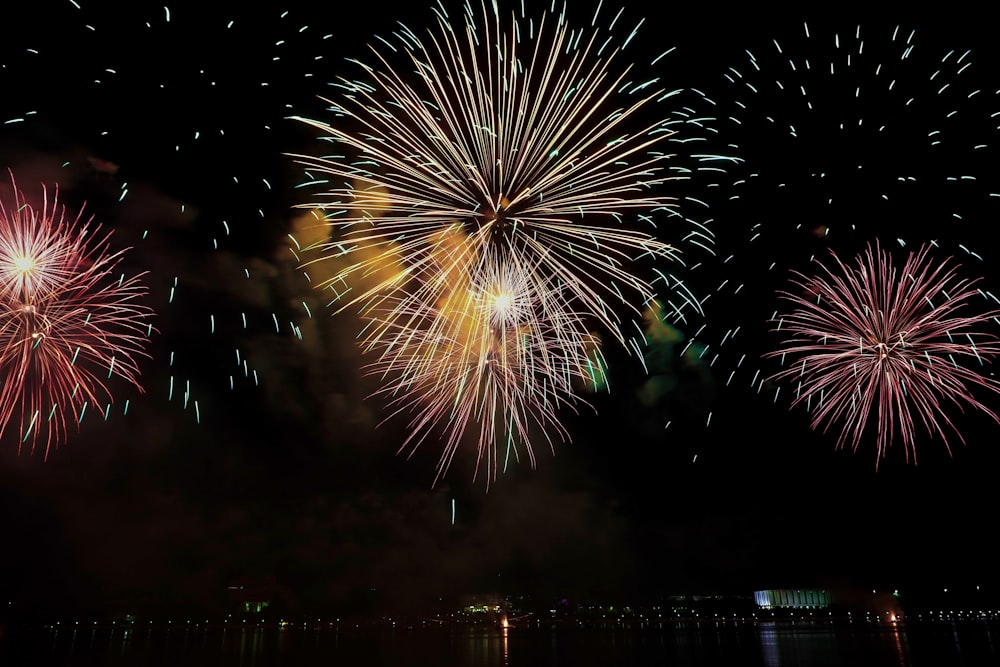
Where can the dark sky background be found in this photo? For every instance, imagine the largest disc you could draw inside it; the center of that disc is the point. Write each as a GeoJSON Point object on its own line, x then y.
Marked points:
{"type": "Point", "coordinates": [290, 477]}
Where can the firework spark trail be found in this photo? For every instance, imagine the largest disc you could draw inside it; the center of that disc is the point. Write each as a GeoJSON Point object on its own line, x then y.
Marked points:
{"type": "Point", "coordinates": [899, 343]}
{"type": "Point", "coordinates": [525, 147]}
{"type": "Point", "coordinates": [497, 357]}
{"type": "Point", "coordinates": [857, 120]}
{"type": "Point", "coordinates": [68, 324]}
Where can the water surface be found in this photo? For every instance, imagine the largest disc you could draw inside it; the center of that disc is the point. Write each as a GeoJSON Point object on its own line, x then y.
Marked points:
{"type": "Point", "coordinates": [768, 644]}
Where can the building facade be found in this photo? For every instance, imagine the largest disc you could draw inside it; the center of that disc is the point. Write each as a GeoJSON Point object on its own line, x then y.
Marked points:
{"type": "Point", "coordinates": [786, 598]}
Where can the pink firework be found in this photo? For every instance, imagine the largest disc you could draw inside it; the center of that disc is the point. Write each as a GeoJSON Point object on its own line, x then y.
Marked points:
{"type": "Point", "coordinates": [68, 322]}
{"type": "Point", "coordinates": [872, 346]}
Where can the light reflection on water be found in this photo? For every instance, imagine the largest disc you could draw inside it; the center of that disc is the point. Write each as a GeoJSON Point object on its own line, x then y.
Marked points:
{"type": "Point", "coordinates": [901, 648]}
{"type": "Point", "coordinates": [773, 644]}
{"type": "Point", "coordinates": [891, 644]}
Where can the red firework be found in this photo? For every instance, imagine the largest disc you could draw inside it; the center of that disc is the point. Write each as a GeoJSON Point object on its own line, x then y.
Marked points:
{"type": "Point", "coordinates": [69, 323]}
{"type": "Point", "coordinates": [872, 343]}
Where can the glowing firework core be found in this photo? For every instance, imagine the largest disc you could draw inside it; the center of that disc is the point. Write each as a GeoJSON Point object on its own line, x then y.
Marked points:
{"type": "Point", "coordinates": [502, 301]}
{"type": "Point", "coordinates": [23, 264]}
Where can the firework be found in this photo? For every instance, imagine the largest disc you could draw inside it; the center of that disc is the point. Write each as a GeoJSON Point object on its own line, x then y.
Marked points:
{"type": "Point", "coordinates": [68, 322]}
{"type": "Point", "coordinates": [846, 133]}
{"type": "Point", "coordinates": [516, 134]}
{"type": "Point", "coordinates": [496, 357]}
{"type": "Point", "coordinates": [875, 347]}
{"type": "Point", "coordinates": [486, 197]}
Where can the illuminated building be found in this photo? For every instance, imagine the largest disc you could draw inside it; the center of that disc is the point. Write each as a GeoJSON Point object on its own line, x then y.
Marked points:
{"type": "Point", "coordinates": [787, 598]}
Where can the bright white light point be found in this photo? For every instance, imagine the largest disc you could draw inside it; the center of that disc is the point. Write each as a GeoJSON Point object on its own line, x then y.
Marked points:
{"type": "Point", "coordinates": [502, 301]}
{"type": "Point", "coordinates": [24, 264]}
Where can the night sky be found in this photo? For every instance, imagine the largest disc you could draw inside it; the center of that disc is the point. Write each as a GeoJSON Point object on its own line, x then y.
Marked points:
{"type": "Point", "coordinates": [291, 477]}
